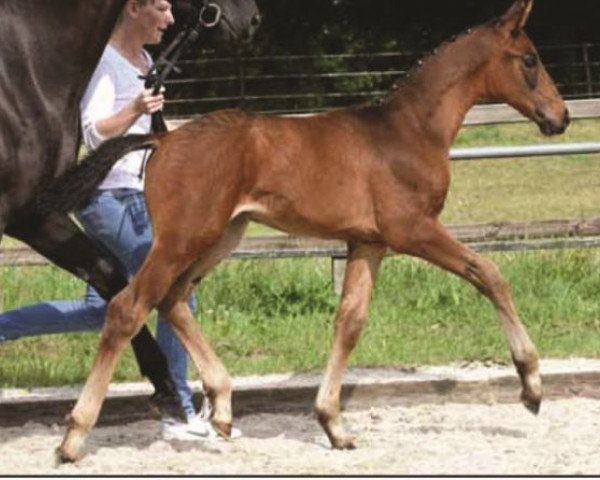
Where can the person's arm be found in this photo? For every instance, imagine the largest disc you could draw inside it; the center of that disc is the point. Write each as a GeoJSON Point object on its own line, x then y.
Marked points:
{"type": "Point", "coordinates": [120, 122]}
{"type": "Point", "coordinates": [98, 118]}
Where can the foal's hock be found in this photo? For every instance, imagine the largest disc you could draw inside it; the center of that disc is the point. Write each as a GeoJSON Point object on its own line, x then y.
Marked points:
{"type": "Point", "coordinates": [374, 175]}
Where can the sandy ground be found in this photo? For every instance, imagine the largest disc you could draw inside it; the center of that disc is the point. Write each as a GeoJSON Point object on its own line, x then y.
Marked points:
{"type": "Point", "coordinates": [426, 439]}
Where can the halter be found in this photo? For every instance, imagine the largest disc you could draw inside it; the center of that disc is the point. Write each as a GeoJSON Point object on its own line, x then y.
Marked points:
{"type": "Point", "coordinates": [210, 14]}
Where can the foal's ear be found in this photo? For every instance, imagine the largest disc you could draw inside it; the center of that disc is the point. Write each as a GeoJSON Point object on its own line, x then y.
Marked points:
{"type": "Point", "coordinates": [516, 16]}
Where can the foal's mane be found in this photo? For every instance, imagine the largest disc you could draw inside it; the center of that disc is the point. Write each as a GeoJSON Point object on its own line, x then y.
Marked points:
{"type": "Point", "coordinates": [414, 75]}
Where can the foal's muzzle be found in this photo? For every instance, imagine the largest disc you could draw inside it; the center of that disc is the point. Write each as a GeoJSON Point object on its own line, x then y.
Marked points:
{"type": "Point", "coordinates": [549, 126]}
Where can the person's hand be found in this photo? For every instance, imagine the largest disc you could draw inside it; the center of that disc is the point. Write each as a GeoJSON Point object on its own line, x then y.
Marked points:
{"type": "Point", "coordinates": [147, 102]}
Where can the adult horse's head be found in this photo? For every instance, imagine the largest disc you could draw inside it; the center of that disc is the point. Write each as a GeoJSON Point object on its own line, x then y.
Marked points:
{"type": "Point", "coordinates": [226, 24]}
{"type": "Point", "coordinates": [517, 75]}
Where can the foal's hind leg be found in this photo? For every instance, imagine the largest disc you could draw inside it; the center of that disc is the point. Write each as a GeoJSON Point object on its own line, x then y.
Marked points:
{"type": "Point", "coordinates": [361, 272]}
{"type": "Point", "coordinates": [432, 242]}
{"type": "Point", "coordinates": [214, 376]}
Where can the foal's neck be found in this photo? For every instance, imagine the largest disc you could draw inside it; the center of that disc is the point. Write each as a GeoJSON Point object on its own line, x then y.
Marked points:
{"type": "Point", "coordinates": [444, 88]}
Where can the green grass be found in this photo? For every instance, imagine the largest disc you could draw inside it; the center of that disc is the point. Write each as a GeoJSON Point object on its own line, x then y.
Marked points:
{"type": "Point", "coordinates": [273, 316]}
{"type": "Point", "coordinates": [524, 189]}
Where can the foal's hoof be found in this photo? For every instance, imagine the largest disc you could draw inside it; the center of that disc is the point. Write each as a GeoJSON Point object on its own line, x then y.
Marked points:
{"type": "Point", "coordinates": [223, 429]}
{"type": "Point", "coordinates": [62, 456]}
{"type": "Point", "coordinates": [532, 404]}
{"type": "Point", "coordinates": [347, 442]}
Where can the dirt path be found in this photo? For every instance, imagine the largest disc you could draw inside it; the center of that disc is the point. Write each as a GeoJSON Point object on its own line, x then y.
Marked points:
{"type": "Point", "coordinates": [427, 439]}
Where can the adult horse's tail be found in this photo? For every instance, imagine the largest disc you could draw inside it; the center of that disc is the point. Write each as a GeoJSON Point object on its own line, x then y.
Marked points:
{"type": "Point", "coordinates": [79, 182]}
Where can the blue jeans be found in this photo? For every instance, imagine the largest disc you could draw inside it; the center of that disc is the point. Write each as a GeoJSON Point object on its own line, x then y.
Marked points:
{"type": "Point", "coordinates": [119, 220]}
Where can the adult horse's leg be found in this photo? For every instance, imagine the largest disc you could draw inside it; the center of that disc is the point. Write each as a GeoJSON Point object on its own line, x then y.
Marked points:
{"type": "Point", "coordinates": [432, 242]}
{"type": "Point", "coordinates": [361, 272]}
{"type": "Point", "coordinates": [59, 239]}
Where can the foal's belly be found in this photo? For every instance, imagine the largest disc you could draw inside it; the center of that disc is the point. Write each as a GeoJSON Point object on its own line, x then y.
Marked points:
{"type": "Point", "coordinates": [309, 217]}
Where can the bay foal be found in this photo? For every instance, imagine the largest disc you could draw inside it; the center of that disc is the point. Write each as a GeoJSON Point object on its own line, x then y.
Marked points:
{"type": "Point", "coordinates": [375, 176]}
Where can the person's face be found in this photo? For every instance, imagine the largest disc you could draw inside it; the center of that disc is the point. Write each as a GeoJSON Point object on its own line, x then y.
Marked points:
{"type": "Point", "coordinates": [153, 18]}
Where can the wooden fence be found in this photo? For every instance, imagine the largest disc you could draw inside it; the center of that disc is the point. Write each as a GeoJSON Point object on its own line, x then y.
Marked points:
{"type": "Point", "coordinates": [498, 236]}
{"type": "Point", "coordinates": [491, 237]}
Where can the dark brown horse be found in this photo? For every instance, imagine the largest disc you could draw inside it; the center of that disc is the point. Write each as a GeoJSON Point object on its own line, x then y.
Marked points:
{"type": "Point", "coordinates": [48, 52]}
{"type": "Point", "coordinates": [375, 176]}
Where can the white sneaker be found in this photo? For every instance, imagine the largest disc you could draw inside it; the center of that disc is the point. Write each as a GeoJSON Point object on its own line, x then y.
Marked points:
{"type": "Point", "coordinates": [196, 430]}
{"type": "Point", "coordinates": [202, 421]}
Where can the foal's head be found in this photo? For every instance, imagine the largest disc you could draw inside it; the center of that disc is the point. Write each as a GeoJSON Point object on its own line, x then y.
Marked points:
{"type": "Point", "coordinates": [515, 73]}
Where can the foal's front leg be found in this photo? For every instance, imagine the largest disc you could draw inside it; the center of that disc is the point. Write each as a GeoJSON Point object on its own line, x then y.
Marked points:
{"type": "Point", "coordinates": [432, 242]}
{"type": "Point", "coordinates": [215, 379]}
{"type": "Point", "coordinates": [361, 272]}
{"type": "Point", "coordinates": [214, 376]}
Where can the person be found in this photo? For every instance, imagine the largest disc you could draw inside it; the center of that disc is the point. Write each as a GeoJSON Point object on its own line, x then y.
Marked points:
{"type": "Point", "coordinates": [116, 103]}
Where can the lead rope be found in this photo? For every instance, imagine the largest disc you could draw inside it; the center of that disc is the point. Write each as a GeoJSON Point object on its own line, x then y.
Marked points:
{"type": "Point", "coordinates": [210, 15]}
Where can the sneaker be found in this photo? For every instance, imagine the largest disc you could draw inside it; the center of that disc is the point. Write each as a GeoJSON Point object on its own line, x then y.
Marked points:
{"type": "Point", "coordinates": [200, 421]}
{"type": "Point", "coordinates": [197, 429]}
{"type": "Point", "coordinates": [194, 431]}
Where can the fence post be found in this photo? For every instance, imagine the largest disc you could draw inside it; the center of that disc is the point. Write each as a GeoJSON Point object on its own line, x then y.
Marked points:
{"type": "Point", "coordinates": [338, 270]}
{"type": "Point", "coordinates": [242, 80]}
{"type": "Point", "coordinates": [588, 70]}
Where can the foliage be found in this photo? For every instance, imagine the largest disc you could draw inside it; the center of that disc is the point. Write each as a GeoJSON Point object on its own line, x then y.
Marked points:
{"type": "Point", "coordinates": [290, 66]}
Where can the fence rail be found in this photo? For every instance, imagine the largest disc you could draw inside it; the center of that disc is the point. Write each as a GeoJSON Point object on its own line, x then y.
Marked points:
{"type": "Point", "coordinates": [497, 236]}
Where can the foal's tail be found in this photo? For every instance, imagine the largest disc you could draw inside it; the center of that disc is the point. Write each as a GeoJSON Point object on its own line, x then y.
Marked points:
{"type": "Point", "coordinates": [78, 183]}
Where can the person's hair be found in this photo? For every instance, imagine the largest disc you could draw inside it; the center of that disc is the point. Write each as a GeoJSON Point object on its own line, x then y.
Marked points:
{"type": "Point", "coordinates": [139, 2]}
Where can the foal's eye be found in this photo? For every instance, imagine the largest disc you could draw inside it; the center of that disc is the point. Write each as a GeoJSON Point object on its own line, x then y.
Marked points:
{"type": "Point", "coordinates": [530, 60]}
